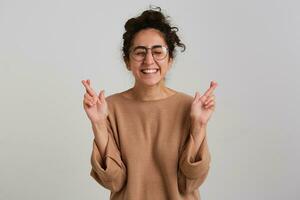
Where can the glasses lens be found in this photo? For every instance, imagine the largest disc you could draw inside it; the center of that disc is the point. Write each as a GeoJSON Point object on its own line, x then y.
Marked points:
{"type": "Point", "coordinates": [139, 54]}
{"type": "Point", "coordinates": [158, 53]}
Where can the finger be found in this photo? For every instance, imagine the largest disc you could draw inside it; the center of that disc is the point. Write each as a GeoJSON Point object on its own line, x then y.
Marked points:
{"type": "Point", "coordinates": [88, 88]}
{"type": "Point", "coordinates": [88, 102]}
{"type": "Point", "coordinates": [208, 101]}
{"type": "Point", "coordinates": [209, 92]}
{"type": "Point", "coordinates": [197, 97]}
{"type": "Point", "coordinates": [210, 98]}
{"type": "Point", "coordinates": [212, 83]}
{"type": "Point", "coordinates": [102, 96]}
{"type": "Point", "coordinates": [213, 107]}
{"type": "Point", "coordinates": [212, 87]}
{"type": "Point", "coordinates": [88, 96]}
{"type": "Point", "coordinates": [91, 99]}
{"type": "Point", "coordinates": [210, 104]}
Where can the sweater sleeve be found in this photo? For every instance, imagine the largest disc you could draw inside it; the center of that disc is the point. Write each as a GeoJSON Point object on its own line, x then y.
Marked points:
{"type": "Point", "coordinates": [193, 169]}
{"type": "Point", "coordinates": [109, 170]}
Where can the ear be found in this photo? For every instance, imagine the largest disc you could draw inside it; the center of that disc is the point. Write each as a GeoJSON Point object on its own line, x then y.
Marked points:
{"type": "Point", "coordinates": [170, 63]}
{"type": "Point", "coordinates": [127, 65]}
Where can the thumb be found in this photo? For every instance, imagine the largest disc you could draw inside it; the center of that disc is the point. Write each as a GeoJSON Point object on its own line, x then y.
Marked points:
{"type": "Point", "coordinates": [197, 96]}
{"type": "Point", "coordinates": [101, 96]}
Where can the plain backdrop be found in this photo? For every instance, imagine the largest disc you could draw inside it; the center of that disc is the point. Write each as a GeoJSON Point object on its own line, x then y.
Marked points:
{"type": "Point", "coordinates": [250, 47]}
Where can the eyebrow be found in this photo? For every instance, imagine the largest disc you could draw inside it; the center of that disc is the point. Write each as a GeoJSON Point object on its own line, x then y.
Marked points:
{"type": "Point", "coordinates": [143, 47]}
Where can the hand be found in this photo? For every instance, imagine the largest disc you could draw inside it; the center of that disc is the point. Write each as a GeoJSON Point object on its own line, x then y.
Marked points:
{"type": "Point", "coordinates": [203, 106]}
{"type": "Point", "coordinates": [94, 105]}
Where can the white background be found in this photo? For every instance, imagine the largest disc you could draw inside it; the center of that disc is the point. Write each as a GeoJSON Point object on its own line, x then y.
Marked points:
{"type": "Point", "coordinates": [251, 48]}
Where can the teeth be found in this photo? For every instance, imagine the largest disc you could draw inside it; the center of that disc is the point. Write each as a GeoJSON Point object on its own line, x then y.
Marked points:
{"type": "Point", "coordinates": [149, 71]}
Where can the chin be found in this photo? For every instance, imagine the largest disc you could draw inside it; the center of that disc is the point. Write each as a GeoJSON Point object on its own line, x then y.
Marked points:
{"type": "Point", "coordinates": [151, 82]}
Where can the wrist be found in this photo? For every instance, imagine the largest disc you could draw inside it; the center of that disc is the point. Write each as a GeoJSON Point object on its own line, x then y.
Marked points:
{"type": "Point", "coordinates": [197, 122]}
{"type": "Point", "coordinates": [99, 129]}
{"type": "Point", "coordinates": [99, 123]}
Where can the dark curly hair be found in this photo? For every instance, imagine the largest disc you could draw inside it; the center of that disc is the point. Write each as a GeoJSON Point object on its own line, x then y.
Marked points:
{"type": "Point", "coordinates": [152, 18]}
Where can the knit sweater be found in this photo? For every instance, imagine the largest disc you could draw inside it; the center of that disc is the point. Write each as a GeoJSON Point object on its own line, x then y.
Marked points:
{"type": "Point", "coordinates": [149, 150]}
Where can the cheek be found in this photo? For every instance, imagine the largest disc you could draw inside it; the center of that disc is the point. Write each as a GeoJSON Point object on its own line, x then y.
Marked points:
{"type": "Point", "coordinates": [165, 67]}
{"type": "Point", "coordinates": [132, 66]}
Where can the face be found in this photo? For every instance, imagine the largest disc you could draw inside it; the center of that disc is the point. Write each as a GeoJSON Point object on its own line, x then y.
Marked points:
{"type": "Point", "coordinates": [148, 71]}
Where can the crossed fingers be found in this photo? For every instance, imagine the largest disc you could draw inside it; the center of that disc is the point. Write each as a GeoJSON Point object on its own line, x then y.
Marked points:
{"type": "Point", "coordinates": [208, 98]}
{"type": "Point", "coordinates": [89, 90]}
{"type": "Point", "coordinates": [90, 97]}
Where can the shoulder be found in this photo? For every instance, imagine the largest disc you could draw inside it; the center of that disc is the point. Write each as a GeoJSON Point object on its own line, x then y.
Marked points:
{"type": "Point", "coordinates": [115, 98]}
{"type": "Point", "coordinates": [184, 97]}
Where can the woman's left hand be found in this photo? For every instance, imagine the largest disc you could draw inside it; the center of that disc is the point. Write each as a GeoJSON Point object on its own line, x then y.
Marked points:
{"type": "Point", "coordinates": [203, 106]}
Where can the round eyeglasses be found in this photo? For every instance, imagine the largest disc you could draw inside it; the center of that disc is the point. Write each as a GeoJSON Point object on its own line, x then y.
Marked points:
{"type": "Point", "coordinates": [158, 52]}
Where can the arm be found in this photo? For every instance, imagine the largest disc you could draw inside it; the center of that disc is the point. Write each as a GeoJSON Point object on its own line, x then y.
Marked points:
{"type": "Point", "coordinates": [100, 138]}
{"type": "Point", "coordinates": [108, 168]}
{"type": "Point", "coordinates": [194, 160]}
{"type": "Point", "coordinates": [198, 133]}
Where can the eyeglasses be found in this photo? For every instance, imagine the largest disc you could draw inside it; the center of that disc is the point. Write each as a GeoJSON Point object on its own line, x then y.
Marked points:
{"type": "Point", "coordinates": [158, 52]}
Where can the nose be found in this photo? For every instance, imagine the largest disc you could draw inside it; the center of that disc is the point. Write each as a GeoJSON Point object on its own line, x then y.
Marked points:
{"type": "Point", "coordinates": [149, 58]}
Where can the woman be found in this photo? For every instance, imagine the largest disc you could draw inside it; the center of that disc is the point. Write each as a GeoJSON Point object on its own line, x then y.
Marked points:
{"type": "Point", "coordinates": [150, 140]}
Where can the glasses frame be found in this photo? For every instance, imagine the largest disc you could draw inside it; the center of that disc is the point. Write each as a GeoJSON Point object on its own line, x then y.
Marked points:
{"type": "Point", "coordinates": [148, 48]}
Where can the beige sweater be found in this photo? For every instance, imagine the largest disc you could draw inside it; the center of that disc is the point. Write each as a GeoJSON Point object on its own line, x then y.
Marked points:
{"type": "Point", "coordinates": [149, 151]}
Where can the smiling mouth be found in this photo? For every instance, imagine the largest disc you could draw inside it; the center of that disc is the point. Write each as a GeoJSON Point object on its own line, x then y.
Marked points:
{"type": "Point", "coordinates": [149, 71]}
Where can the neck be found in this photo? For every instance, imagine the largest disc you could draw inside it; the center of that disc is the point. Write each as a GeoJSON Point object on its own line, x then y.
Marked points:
{"type": "Point", "coordinates": [148, 93]}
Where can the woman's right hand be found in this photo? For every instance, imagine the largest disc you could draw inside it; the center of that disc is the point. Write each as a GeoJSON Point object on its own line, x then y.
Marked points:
{"type": "Point", "coordinates": [94, 105]}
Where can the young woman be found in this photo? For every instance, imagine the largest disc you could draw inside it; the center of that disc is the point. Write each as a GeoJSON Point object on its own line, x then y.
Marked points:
{"type": "Point", "coordinates": [150, 140]}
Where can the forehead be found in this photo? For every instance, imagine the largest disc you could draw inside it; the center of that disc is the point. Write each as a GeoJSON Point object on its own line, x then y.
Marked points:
{"type": "Point", "coordinates": [148, 37]}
